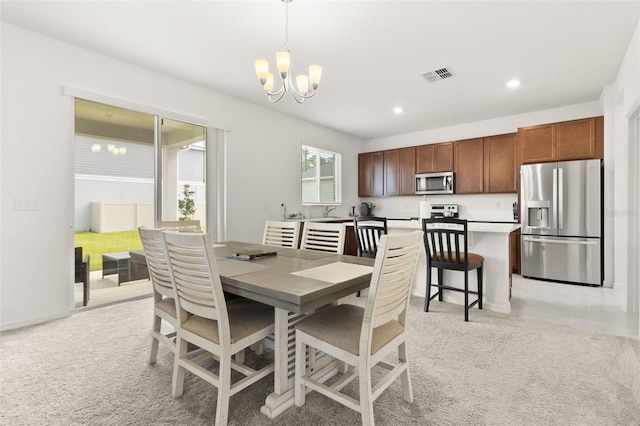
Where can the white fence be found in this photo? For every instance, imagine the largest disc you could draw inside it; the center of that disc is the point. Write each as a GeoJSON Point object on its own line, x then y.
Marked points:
{"type": "Point", "coordinates": [113, 217]}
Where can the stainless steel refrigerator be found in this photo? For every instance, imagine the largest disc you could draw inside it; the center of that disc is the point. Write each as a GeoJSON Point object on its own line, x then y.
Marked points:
{"type": "Point", "coordinates": [561, 207]}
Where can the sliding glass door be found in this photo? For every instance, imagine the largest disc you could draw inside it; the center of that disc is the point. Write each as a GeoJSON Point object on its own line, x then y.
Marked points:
{"type": "Point", "coordinates": [182, 188]}
{"type": "Point", "coordinates": [131, 169]}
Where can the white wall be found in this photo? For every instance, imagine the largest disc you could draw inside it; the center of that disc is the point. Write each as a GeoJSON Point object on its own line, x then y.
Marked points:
{"type": "Point", "coordinates": [622, 101]}
{"type": "Point", "coordinates": [494, 126]}
{"type": "Point", "coordinates": [37, 150]}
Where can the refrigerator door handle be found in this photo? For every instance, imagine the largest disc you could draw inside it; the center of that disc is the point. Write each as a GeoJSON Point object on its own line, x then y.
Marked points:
{"type": "Point", "coordinates": [554, 201]}
{"type": "Point", "coordinates": [559, 241]}
{"type": "Point", "coordinates": [560, 198]}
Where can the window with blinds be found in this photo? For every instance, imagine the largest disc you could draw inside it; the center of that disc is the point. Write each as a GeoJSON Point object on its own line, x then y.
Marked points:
{"type": "Point", "coordinates": [321, 176]}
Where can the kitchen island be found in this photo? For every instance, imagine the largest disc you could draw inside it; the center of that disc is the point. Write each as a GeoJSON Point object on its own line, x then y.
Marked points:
{"type": "Point", "coordinates": [490, 240]}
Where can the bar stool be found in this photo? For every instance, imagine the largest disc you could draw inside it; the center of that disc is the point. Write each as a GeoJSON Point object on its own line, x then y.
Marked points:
{"type": "Point", "coordinates": [445, 240]}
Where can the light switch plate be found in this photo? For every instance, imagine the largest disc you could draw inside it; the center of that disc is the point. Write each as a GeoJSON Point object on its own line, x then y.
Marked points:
{"type": "Point", "coordinates": [26, 204]}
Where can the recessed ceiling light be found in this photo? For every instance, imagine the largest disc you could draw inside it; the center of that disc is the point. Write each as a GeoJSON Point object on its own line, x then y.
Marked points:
{"type": "Point", "coordinates": [512, 84]}
{"type": "Point", "coordinates": [397, 110]}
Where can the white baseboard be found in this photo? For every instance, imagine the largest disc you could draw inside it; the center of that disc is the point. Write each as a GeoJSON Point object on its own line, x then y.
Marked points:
{"type": "Point", "coordinates": [33, 321]}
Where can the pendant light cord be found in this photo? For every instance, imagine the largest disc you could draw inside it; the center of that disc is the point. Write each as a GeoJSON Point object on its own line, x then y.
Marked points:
{"type": "Point", "coordinates": [286, 26]}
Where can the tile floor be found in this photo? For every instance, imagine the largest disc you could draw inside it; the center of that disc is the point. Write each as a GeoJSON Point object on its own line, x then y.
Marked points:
{"type": "Point", "coordinates": [591, 308]}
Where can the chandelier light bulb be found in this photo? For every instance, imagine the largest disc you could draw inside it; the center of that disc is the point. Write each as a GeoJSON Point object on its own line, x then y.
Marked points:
{"type": "Point", "coordinates": [283, 61]}
{"type": "Point", "coordinates": [268, 84]}
{"type": "Point", "coordinates": [262, 69]}
{"type": "Point", "coordinates": [96, 147]}
{"type": "Point", "coordinates": [111, 147]}
{"type": "Point", "coordinates": [315, 73]}
{"type": "Point", "coordinates": [302, 82]}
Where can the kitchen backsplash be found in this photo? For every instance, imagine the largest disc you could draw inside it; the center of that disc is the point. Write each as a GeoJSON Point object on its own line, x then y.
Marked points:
{"type": "Point", "coordinates": [482, 207]}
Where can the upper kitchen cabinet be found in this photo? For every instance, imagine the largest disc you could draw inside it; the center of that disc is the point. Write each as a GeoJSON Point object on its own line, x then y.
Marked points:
{"type": "Point", "coordinates": [500, 163]}
{"type": "Point", "coordinates": [436, 157]}
{"type": "Point", "coordinates": [580, 139]}
{"type": "Point", "coordinates": [469, 166]}
{"type": "Point", "coordinates": [568, 140]}
{"type": "Point", "coordinates": [371, 174]}
{"type": "Point", "coordinates": [407, 162]}
{"type": "Point", "coordinates": [538, 143]}
{"type": "Point", "coordinates": [391, 160]}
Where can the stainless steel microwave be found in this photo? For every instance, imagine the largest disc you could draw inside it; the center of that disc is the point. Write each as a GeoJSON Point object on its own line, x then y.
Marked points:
{"type": "Point", "coordinates": [435, 183]}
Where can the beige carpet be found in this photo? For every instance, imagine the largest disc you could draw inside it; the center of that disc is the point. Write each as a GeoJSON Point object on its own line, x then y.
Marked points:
{"type": "Point", "coordinates": [91, 369]}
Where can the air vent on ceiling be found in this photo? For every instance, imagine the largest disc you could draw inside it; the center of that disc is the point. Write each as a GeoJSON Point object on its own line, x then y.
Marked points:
{"type": "Point", "coordinates": [437, 75]}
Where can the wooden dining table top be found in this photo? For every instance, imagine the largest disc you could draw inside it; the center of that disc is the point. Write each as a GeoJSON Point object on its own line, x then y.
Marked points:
{"type": "Point", "coordinates": [293, 279]}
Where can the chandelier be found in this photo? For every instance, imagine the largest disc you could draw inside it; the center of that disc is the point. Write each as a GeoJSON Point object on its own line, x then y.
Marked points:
{"type": "Point", "coordinates": [306, 84]}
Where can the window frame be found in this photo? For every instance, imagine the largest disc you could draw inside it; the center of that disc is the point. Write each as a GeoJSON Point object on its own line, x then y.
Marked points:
{"type": "Point", "coordinates": [337, 176]}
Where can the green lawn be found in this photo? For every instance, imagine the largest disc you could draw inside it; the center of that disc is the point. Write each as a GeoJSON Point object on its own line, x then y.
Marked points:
{"type": "Point", "coordinates": [95, 244]}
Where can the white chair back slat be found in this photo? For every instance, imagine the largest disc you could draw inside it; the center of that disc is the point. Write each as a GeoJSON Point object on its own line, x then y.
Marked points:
{"type": "Point", "coordinates": [153, 245]}
{"type": "Point", "coordinates": [180, 225]}
{"type": "Point", "coordinates": [281, 234]}
{"type": "Point", "coordinates": [163, 291]}
{"type": "Point", "coordinates": [194, 271]}
{"type": "Point", "coordinates": [321, 236]}
{"type": "Point", "coordinates": [391, 283]}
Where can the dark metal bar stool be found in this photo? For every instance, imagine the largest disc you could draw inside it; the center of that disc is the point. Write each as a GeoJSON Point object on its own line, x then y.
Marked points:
{"type": "Point", "coordinates": [445, 241]}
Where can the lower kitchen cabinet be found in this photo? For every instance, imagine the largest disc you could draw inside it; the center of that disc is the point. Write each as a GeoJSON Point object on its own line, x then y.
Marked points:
{"type": "Point", "coordinates": [514, 255]}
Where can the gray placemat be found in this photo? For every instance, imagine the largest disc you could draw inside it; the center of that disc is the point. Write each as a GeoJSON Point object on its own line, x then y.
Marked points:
{"type": "Point", "coordinates": [232, 267]}
{"type": "Point", "coordinates": [335, 272]}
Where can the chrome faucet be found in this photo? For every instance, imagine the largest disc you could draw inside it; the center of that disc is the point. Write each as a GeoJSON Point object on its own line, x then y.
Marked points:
{"type": "Point", "coordinates": [328, 210]}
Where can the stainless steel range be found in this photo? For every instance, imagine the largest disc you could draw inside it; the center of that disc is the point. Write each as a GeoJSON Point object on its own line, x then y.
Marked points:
{"type": "Point", "coordinates": [443, 210]}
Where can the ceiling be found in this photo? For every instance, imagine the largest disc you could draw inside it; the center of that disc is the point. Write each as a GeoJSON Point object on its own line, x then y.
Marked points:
{"type": "Point", "coordinates": [373, 53]}
{"type": "Point", "coordinates": [102, 121]}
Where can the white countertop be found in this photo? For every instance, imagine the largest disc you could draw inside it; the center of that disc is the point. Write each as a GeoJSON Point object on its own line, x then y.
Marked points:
{"type": "Point", "coordinates": [500, 227]}
{"type": "Point", "coordinates": [322, 219]}
{"type": "Point", "coordinates": [505, 228]}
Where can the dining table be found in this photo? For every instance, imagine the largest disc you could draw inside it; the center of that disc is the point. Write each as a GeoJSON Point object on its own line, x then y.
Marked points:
{"type": "Point", "coordinates": [296, 283]}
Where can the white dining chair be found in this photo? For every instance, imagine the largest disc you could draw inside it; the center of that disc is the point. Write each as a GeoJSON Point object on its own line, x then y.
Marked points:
{"type": "Point", "coordinates": [207, 322]}
{"type": "Point", "coordinates": [164, 305]}
{"type": "Point", "coordinates": [363, 337]}
{"type": "Point", "coordinates": [180, 225]}
{"type": "Point", "coordinates": [323, 236]}
{"type": "Point", "coordinates": [281, 234]}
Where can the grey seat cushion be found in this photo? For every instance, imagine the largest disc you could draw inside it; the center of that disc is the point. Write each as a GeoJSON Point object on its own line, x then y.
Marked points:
{"type": "Point", "coordinates": [340, 326]}
{"type": "Point", "coordinates": [168, 305]}
{"type": "Point", "coordinates": [245, 318]}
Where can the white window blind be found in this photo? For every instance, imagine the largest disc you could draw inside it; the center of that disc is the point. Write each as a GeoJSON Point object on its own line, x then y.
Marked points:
{"type": "Point", "coordinates": [321, 172]}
